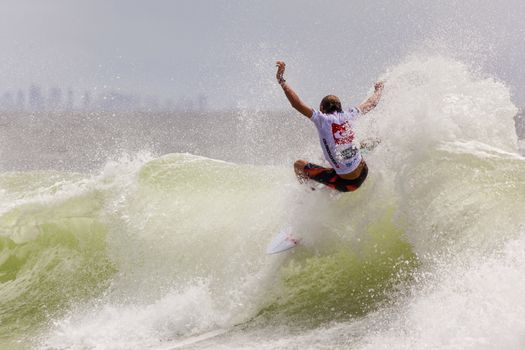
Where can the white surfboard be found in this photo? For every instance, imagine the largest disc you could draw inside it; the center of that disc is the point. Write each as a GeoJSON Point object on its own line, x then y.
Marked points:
{"type": "Point", "coordinates": [284, 240]}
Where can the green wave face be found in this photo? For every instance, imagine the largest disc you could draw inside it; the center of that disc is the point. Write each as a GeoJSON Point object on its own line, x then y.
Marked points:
{"type": "Point", "coordinates": [136, 242]}
{"type": "Point", "coordinates": [344, 283]}
{"type": "Point", "coordinates": [51, 256]}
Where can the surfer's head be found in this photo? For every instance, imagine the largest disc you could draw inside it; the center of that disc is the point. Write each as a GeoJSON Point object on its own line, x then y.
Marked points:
{"type": "Point", "coordinates": [330, 104]}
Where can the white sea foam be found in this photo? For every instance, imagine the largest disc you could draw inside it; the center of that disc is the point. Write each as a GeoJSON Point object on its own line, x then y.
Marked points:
{"type": "Point", "coordinates": [188, 238]}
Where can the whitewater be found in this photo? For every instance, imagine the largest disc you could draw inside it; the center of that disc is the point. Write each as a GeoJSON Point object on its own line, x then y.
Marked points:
{"type": "Point", "coordinates": [167, 251]}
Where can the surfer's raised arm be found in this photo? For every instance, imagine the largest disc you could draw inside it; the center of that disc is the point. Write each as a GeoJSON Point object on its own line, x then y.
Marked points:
{"type": "Point", "coordinates": [373, 100]}
{"type": "Point", "coordinates": [292, 96]}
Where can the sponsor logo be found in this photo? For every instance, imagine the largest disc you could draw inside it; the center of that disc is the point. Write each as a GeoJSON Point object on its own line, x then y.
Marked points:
{"type": "Point", "coordinates": [342, 133]}
{"type": "Point", "coordinates": [349, 153]}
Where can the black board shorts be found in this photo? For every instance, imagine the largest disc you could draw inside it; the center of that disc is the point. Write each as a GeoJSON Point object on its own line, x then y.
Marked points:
{"type": "Point", "coordinates": [328, 177]}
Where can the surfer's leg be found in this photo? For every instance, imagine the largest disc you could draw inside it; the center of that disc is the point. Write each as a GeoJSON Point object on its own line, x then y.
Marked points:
{"type": "Point", "coordinates": [329, 178]}
{"type": "Point", "coordinates": [310, 171]}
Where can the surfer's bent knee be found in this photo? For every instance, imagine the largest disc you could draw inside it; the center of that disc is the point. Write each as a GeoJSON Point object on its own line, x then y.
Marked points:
{"type": "Point", "coordinates": [330, 178]}
{"type": "Point", "coordinates": [299, 165]}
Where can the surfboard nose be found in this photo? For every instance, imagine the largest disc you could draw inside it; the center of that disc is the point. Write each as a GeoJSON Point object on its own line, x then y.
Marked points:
{"type": "Point", "coordinates": [283, 241]}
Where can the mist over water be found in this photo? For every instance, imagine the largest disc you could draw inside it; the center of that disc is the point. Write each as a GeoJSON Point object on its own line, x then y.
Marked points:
{"type": "Point", "coordinates": [149, 230]}
{"type": "Point", "coordinates": [226, 52]}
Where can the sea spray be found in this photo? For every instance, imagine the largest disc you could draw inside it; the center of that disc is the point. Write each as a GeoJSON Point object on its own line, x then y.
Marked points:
{"type": "Point", "coordinates": [182, 237]}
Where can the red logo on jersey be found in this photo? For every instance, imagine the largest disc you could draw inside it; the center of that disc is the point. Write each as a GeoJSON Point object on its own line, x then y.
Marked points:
{"type": "Point", "coordinates": [342, 133]}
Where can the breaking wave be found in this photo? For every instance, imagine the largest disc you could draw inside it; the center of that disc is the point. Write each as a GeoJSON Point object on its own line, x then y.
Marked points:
{"type": "Point", "coordinates": [166, 252]}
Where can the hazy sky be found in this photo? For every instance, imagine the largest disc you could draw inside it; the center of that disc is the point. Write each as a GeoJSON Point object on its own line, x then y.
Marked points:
{"type": "Point", "coordinates": [226, 49]}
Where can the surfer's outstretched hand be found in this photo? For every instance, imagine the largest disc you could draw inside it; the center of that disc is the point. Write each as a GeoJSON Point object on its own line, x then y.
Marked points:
{"type": "Point", "coordinates": [281, 66]}
{"type": "Point", "coordinates": [373, 100]}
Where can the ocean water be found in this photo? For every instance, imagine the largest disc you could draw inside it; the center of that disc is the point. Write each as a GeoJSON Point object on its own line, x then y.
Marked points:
{"type": "Point", "coordinates": [121, 243]}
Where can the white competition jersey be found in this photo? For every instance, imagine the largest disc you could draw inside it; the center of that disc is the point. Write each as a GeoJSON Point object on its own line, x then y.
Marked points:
{"type": "Point", "coordinates": [336, 136]}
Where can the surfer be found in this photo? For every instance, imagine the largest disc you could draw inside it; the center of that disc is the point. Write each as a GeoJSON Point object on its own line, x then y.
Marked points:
{"type": "Point", "coordinates": [334, 126]}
